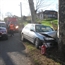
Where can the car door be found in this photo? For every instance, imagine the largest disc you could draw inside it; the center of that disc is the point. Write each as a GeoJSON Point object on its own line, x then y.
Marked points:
{"type": "Point", "coordinates": [26, 31]}
{"type": "Point", "coordinates": [32, 33]}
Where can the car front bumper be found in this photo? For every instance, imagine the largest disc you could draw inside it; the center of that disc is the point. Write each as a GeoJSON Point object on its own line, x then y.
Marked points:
{"type": "Point", "coordinates": [50, 43]}
{"type": "Point", "coordinates": [1, 35]}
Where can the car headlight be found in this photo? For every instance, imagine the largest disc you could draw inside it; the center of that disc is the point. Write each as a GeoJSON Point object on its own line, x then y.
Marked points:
{"type": "Point", "coordinates": [4, 32]}
{"type": "Point", "coordinates": [49, 39]}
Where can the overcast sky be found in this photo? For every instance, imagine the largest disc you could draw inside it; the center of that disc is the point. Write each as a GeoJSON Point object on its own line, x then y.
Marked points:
{"type": "Point", "coordinates": [13, 6]}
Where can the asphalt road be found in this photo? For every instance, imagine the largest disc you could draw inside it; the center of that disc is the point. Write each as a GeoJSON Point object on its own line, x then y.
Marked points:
{"type": "Point", "coordinates": [12, 52]}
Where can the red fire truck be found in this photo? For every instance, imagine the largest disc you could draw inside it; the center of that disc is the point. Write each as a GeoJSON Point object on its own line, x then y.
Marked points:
{"type": "Point", "coordinates": [14, 21]}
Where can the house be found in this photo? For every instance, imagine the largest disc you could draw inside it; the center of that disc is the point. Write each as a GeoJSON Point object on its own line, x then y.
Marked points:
{"type": "Point", "coordinates": [47, 14]}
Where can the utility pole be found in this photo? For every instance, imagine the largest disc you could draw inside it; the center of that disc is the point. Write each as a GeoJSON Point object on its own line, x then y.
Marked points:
{"type": "Point", "coordinates": [21, 10]}
{"type": "Point", "coordinates": [33, 14]}
{"type": "Point", "coordinates": [21, 14]}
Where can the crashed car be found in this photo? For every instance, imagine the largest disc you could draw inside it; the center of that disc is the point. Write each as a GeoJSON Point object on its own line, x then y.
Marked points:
{"type": "Point", "coordinates": [39, 34]}
{"type": "Point", "coordinates": [3, 31]}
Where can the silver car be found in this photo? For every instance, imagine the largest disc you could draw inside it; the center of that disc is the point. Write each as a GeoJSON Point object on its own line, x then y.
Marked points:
{"type": "Point", "coordinates": [39, 34]}
{"type": "Point", "coordinates": [3, 30]}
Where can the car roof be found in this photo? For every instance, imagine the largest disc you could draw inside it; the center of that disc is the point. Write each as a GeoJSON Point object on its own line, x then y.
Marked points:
{"type": "Point", "coordinates": [35, 24]}
{"type": "Point", "coordinates": [29, 24]}
{"type": "Point", "coordinates": [2, 22]}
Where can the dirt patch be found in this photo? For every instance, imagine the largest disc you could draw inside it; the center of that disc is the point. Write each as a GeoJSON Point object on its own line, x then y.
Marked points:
{"type": "Point", "coordinates": [52, 56]}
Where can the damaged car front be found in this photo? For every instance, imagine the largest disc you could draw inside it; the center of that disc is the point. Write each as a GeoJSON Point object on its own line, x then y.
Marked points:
{"type": "Point", "coordinates": [49, 35]}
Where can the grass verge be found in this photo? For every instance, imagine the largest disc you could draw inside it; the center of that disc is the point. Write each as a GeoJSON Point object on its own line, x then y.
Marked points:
{"type": "Point", "coordinates": [37, 58]}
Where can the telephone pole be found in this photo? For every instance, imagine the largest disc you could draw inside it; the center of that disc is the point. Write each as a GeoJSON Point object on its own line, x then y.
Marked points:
{"type": "Point", "coordinates": [33, 14]}
{"type": "Point", "coordinates": [21, 14]}
{"type": "Point", "coordinates": [21, 11]}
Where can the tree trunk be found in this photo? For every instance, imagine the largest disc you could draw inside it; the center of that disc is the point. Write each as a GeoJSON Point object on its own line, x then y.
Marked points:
{"type": "Point", "coordinates": [31, 4]}
{"type": "Point", "coordinates": [61, 25]}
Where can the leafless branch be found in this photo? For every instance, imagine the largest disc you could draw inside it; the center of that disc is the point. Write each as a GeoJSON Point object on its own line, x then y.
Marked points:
{"type": "Point", "coordinates": [42, 4]}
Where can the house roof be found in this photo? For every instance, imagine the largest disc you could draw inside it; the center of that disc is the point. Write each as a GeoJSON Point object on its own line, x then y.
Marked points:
{"type": "Point", "coordinates": [49, 11]}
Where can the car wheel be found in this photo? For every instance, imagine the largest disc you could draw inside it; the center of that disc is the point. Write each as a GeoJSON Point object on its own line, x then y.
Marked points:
{"type": "Point", "coordinates": [22, 37]}
{"type": "Point", "coordinates": [37, 43]}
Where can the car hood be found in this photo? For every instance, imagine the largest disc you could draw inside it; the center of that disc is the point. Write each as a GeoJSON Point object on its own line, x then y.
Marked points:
{"type": "Point", "coordinates": [52, 34]}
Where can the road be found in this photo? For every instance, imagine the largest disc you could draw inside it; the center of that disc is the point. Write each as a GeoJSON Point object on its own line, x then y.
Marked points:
{"type": "Point", "coordinates": [12, 52]}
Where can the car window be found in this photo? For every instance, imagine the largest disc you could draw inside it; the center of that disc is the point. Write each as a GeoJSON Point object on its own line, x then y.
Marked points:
{"type": "Point", "coordinates": [42, 28]}
{"type": "Point", "coordinates": [27, 27]}
{"type": "Point", "coordinates": [32, 27]}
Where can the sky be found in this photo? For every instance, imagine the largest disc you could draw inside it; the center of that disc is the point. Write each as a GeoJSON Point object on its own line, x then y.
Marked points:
{"type": "Point", "coordinates": [13, 6]}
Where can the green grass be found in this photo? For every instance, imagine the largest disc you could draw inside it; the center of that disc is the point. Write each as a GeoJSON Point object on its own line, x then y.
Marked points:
{"type": "Point", "coordinates": [36, 56]}
{"type": "Point", "coordinates": [45, 22]}
{"type": "Point", "coordinates": [49, 22]}
{"type": "Point", "coordinates": [30, 47]}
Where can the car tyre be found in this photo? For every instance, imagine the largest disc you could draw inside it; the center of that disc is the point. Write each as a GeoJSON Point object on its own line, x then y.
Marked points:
{"type": "Point", "coordinates": [37, 43]}
{"type": "Point", "coordinates": [22, 38]}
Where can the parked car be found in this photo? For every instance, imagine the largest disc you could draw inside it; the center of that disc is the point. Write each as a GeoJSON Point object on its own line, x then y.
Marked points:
{"type": "Point", "coordinates": [39, 34]}
{"type": "Point", "coordinates": [3, 30]}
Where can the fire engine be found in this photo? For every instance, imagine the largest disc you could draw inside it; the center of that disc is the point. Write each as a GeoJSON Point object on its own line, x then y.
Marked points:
{"type": "Point", "coordinates": [14, 21]}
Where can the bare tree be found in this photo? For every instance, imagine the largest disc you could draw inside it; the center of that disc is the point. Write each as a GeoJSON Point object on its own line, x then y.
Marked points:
{"type": "Point", "coordinates": [31, 4]}
{"type": "Point", "coordinates": [41, 4]}
{"type": "Point", "coordinates": [61, 25]}
{"type": "Point", "coordinates": [9, 14]}
{"type": "Point", "coordinates": [38, 4]}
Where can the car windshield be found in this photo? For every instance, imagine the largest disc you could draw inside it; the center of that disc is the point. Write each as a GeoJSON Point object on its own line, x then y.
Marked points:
{"type": "Point", "coordinates": [42, 28]}
{"type": "Point", "coordinates": [2, 25]}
